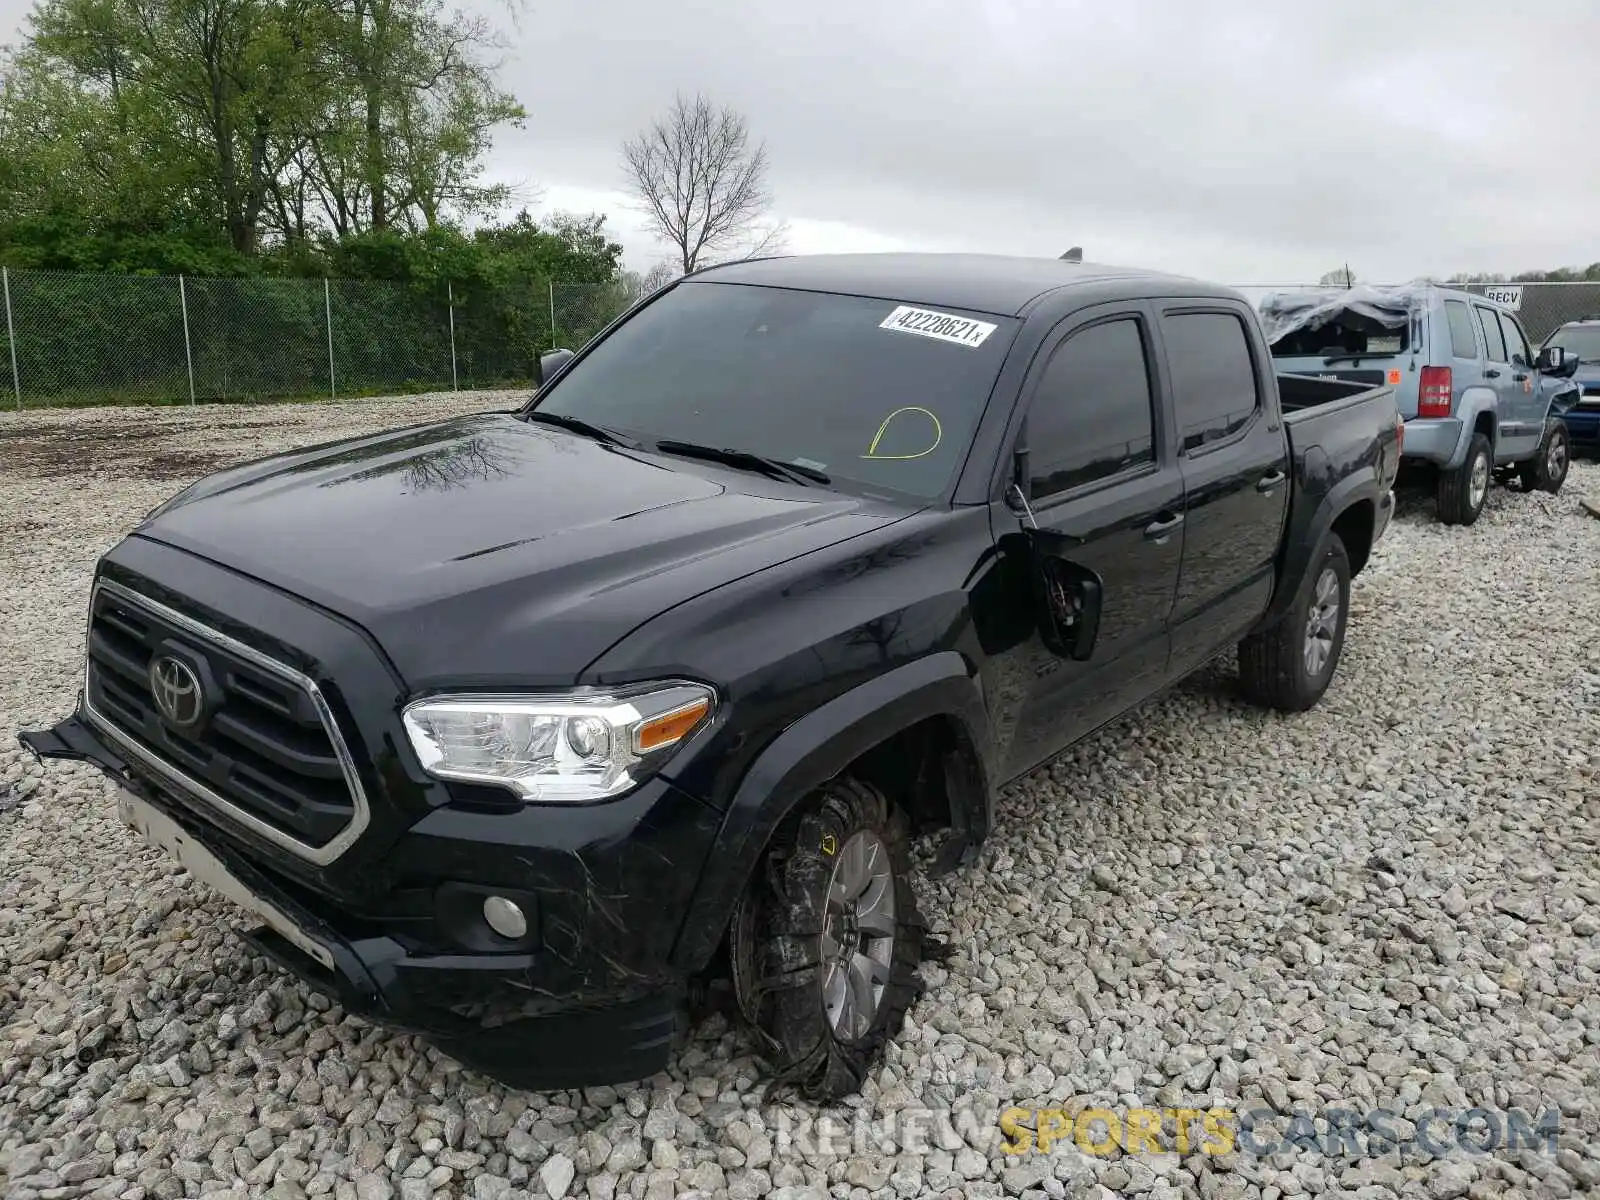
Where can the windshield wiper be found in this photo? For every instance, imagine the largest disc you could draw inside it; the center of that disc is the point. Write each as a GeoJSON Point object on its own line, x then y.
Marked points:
{"type": "Point", "coordinates": [578, 425]}
{"type": "Point", "coordinates": [1333, 358]}
{"type": "Point", "coordinates": [746, 459]}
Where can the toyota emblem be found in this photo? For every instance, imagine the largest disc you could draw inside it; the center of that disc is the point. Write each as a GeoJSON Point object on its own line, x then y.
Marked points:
{"type": "Point", "coordinates": [176, 690]}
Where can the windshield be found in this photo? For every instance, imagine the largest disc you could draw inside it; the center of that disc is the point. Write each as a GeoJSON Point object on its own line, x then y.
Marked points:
{"type": "Point", "coordinates": [1582, 340]}
{"type": "Point", "coordinates": [869, 391]}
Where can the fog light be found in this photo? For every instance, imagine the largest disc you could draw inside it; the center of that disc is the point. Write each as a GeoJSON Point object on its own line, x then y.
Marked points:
{"type": "Point", "coordinates": [505, 918]}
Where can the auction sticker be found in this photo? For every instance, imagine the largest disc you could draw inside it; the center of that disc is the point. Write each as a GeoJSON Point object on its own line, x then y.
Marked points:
{"type": "Point", "coordinates": [963, 331]}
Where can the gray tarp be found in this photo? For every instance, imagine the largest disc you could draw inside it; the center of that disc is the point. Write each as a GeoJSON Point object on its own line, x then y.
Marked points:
{"type": "Point", "coordinates": [1362, 306]}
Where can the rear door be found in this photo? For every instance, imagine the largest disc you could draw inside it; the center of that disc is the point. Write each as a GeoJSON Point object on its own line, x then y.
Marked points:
{"type": "Point", "coordinates": [1496, 374]}
{"type": "Point", "coordinates": [1466, 352]}
{"type": "Point", "coordinates": [1104, 482]}
{"type": "Point", "coordinates": [1234, 459]}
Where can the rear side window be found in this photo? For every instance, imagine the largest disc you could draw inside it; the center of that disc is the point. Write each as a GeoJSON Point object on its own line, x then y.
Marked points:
{"type": "Point", "coordinates": [1463, 342]}
{"type": "Point", "coordinates": [1091, 414]}
{"type": "Point", "coordinates": [1516, 344]}
{"type": "Point", "coordinates": [1492, 337]}
{"type": "Point", "coordinates": [1213, 375]}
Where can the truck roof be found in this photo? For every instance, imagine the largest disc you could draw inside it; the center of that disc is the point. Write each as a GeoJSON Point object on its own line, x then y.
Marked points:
{"type": "Point", "coordinates": [993, 283]}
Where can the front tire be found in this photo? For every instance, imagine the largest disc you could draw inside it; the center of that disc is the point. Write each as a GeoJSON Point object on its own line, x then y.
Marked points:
{"type": "Point", "coordinates": [1464, 492]}
{"type": "Point", "coordinates": [1547, 470]}
{"type": "Point", "coordinates": [1289, 665]}
{"type": "Point", "coordinates": [827, 939]}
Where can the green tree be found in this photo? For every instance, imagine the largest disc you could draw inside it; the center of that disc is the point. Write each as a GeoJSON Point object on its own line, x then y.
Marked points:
{"type": "Point", "coordinates": [209, 90]}
{"type": "Point", "coordinates": [273, 123]}
{"type": "Point", "coordinates": [410, 115]}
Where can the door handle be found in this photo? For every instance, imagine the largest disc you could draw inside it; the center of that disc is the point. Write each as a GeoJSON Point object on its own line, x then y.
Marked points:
{"type": "Point", "coordinates": [1267, 482]}
{"type": "Point", "coordinates": [1157, 531]}
{"type": "Point", "coordinates": [1519, 376]}
{"type": "Point", "coordinates": [1491, 373]}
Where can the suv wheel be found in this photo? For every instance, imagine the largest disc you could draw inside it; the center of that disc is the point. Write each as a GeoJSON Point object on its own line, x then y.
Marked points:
{"type": "Point", "coordinates": [1546, 471]}
{"type": "Point", "coordinates": [826, 941]}
{"type": "Point", "coordinates": [1289, 665]}
{"type": "Point", "coordinates": [1464, 492]}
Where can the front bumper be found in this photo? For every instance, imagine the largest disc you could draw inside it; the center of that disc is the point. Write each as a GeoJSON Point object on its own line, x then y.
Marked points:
{"type": "Point", "coordinates": [1583, 426]}
{"type": "Point", "coordinates": [566, 1011]}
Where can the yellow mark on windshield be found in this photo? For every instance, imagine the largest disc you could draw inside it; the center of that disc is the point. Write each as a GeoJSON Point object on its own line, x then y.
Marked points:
{"type": "Point", "coordinates": [938, 435]}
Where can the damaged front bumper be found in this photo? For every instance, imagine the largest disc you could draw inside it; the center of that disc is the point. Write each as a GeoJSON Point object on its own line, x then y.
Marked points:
{"type": "Point", "coordinates": [531, 1019]}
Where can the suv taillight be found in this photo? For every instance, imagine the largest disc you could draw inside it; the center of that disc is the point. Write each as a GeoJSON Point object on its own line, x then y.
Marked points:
{"type": "Point", "coordinates": [1433, 400]}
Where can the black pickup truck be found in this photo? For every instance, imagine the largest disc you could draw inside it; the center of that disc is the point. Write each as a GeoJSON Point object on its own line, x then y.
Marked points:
{"type": "Point", "coordinates": [515, 729]}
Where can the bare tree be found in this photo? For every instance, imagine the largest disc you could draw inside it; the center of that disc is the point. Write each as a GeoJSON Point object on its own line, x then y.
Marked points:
{"type": "Point", "coordinates": [702, 183]}
{"type": "Point", "coordinates": [657, 277]}
{"type": "Point", "coordinates": [1344, 277]}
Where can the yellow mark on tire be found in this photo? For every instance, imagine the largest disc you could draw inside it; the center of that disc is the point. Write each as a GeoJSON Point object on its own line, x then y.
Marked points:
{"type": "Point", "coordinates": [830, 846]}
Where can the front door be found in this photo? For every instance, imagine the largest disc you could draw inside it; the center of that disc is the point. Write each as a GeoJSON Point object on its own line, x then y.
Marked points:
{"type": "Point", "coordinates": [1527, 398]}
{"type": "Point", "coordinates": [1104, 490]}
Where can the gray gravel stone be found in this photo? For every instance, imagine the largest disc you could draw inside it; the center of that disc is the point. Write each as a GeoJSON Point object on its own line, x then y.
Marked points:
{"type": "Point", "coordinates": [556, 1175]}
{"type": "Point", "coordinates": [1392, 900]}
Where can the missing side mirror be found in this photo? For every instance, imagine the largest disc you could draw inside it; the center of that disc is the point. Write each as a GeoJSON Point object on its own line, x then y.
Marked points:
{"type": "Point", "coordinates": [1068, 598]}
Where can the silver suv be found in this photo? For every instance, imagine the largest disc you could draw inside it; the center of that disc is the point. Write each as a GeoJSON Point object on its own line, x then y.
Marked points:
{"type": "Point", "coordinates": [1475, 399]}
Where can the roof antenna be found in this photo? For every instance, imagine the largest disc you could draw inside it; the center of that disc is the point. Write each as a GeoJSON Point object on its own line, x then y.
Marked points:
{"type": "Point", "coordinates": [1073, 255]}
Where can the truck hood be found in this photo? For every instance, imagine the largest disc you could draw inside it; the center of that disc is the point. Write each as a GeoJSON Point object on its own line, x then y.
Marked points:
{"type": "Point", "coordinates": [485, 550]}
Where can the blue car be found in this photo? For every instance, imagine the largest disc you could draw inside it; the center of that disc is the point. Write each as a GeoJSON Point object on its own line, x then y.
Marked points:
{"type": "Point", "coordinates": [1582, 337]}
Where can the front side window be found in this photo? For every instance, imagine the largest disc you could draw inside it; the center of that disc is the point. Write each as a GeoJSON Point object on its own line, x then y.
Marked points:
{"type": "Point", "coordinates": [1516, 344]}
{"type": "Point", "coordinates": [1091, 415]}
{"type": "Point", "coordinates": [874, 393]}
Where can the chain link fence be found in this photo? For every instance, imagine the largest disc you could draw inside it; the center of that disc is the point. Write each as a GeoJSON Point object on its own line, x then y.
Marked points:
{"type": "Point", "coordinates": [1542, 306]}
{"type": "Point", "coordinates": [119, 339]}
{"type": "Point", "coordinates": [122, 339]}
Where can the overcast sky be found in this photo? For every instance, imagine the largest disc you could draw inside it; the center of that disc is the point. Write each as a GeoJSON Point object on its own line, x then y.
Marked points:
{"type": "Point", "coordinates": [1243, 140]}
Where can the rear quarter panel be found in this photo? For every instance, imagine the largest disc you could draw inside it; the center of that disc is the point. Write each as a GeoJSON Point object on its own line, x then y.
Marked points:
{"type": "Point", "coordinates": [1344, 455]}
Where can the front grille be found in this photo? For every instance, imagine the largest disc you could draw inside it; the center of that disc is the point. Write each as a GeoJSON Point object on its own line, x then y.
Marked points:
{"type": "Point", "coordinates": [265, 747]}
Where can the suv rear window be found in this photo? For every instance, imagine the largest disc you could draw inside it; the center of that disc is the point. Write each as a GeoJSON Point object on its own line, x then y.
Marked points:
{"type": "Point", "coordinates": [1338, 336]}
{"type": "Point", "coordinates": [874, 392]}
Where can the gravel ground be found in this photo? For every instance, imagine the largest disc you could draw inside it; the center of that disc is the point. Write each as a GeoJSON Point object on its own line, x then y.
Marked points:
{"type": "Point", "coordinates": [1389, 903]}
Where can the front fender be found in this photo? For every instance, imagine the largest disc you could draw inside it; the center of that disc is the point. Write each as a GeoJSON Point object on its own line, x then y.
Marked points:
{"type": "Point", "coordinates": [812, 751]}
{"type": "Point", "coordinates": [1562, 399]}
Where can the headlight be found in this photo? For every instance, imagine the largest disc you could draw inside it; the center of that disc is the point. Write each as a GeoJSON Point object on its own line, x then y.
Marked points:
{"type": "Point", "coordinates": [567, 747]}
